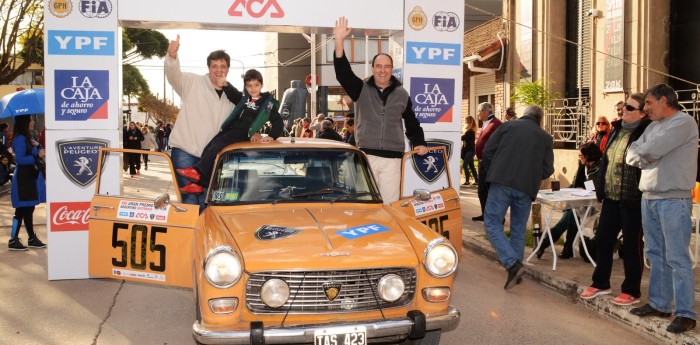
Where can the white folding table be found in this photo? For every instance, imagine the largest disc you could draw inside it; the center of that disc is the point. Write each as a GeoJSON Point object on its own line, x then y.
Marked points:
{"type": "Point", "coordinates": [565, 198]}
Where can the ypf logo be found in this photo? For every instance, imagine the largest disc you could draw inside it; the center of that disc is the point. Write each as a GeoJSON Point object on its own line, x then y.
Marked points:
{"type": "Point", "coordinates": [445, 21]}
{"type": "Point", "coordinates": [78, 158]}
{"type": "Point", "coordinates": [256, 8]}
{"type": "Point", "coordinates": [60, 8]}
{"type": "Point", "coordinates": [68, 42]}
{"type": "Point", "coordinates": [433, 53]}
{"type": "Point", "coordinates": [417, 19]}
{"type": "Point", "coordinates": [431, 166]}
{"type": "Point", "coordinates": [95, 8]}
{"type": "Point", "coordinates": [70, 216]}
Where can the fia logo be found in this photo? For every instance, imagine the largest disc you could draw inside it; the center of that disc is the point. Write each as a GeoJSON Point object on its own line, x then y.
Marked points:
{"type": "Point", "coordinates": [77, 158]}
{"type": "Point", "coordinates": [256, 8]}
{"type": "Point", "coordinates": [95, 8]}
{"type": "Point", "coordinates": [431, 166]}
{"type": "Point", "coordinates": [445, 21]}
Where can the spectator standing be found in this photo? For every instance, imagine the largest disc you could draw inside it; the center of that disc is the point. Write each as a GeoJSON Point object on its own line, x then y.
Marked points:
{"type": "Point", "coordinates": [203, 109]}
{"type": "Point", "coordinates": [489, 125]}
{"type": "Point", "coordinates": [148, 144]}
{"type": "Point", "coordinates": [28, 183]}
{"type": "Point", "coordinates": [600, 136]}
{"type": "Point", "coordinates": [297, 128]}
{"type": "Point", "coordinates": [350, 131]}
{"type": "Point", "coordinates": [316, 124]}
{"type": "Point", "coordinates": [306, 130]}
{"type": "Point", "coordinates": [589, 158]}
{"type": "Point", "coordinates": [166, 138]}
{"type": "Point", "coordinates": [327, 131]}
{"type": "Point", "coordinates": [619, 105]}
{"type": "Point", "coordinates": [469, 149]}
{"type": "Point", "coordinates": [511, 114]}
{"type": "Point", "coordinates": [617, 188]}
{"type": "Point", "coordinates": [6, 169]}
{"type": "Point", "coordinates": [381, 105]}
{"type": "Point", "coordinates": [4, 138]}
{"type": "Point", "coordinates": [132, 140]}
{"type": "Point", "coordinates": [665, 154]}
{"type": "Point", "coordinates": [160, 135]}
{"type": "Point", "coordinates": [514, 176]}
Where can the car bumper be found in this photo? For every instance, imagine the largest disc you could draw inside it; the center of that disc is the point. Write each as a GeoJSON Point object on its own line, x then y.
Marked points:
{"type": "Point", "coordinates": [387, 328]}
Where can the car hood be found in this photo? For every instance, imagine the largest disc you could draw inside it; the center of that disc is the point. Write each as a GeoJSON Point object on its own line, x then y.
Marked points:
{"type": "Point", "coordinates": [330, 237]}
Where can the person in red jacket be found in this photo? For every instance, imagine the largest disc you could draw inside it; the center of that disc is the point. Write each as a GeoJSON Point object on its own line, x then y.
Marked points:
{"type": "Point", "coordinates": [489, 125]}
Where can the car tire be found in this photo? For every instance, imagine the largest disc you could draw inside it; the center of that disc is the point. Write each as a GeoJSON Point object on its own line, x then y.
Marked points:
{"type": "Point", "coordinates": [431, 338]}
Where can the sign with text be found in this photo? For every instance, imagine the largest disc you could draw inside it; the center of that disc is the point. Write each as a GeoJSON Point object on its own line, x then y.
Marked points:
{"type": "Point", "coordinates": [70, 42]}
{"type": "Point", "coordinates": [81, 95]}
{"type": "Point", "coordinates": [614, 45]}
{"type": "Point", "coordinates": [433, 99]}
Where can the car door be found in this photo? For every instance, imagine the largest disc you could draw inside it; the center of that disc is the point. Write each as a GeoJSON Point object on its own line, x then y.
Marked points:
{"type": "Point", "coordinates": [438, 207]}
{"type": "Point", "coordinates": [129, 237]}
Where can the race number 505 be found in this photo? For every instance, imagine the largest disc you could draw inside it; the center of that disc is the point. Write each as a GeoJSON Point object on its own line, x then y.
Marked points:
{"type": "Point", "coordinates": [134, 248]}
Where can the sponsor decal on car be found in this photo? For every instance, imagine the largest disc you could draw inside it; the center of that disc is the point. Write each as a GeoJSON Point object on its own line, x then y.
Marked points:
{"type": "Point", "coordinates": [78, 158]}
{"type": "Point", "coordinates": [140, 210]}
{"type": "Point", "coordinates": [427, 206]}
{"type": "Point", "coordinates": [271, 232]}
{"type": "Point", "coordinates": [81, 95]}
{"type": "Point", "coordinates": [431, 166]}
{"type": "Point", "coordinates": [362, 230]}
{"type": "Point", "coordinates": [433, 99]}
{"type": "Point", "coordinates": [69, 216]}
{"type": "Point", "coordinates": [120, 273]}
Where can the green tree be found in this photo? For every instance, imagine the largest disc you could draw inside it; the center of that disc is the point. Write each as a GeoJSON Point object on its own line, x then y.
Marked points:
{"type": "Point", "coordinates": [21, 37]}
{"type": "Point", "coordinates": [138, 45]}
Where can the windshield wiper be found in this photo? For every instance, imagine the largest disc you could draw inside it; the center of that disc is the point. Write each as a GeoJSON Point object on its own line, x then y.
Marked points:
{"type": "Point", "coordinates": [347, 195]}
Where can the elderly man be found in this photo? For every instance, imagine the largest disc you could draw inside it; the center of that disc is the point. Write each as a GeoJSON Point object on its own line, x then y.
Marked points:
{"type": "Point", "coordinates": [665, 154]}
{"type": "Point", "coordinates": [489, 125]}
{"type": "Point", "coordinates": [382, 105]}
{"type": "Point", "coordinates": [327, 131]}
{"type": "Point", "coordinates": [618, 109]}
{"type": "Point", "coordinates": [515, 176]}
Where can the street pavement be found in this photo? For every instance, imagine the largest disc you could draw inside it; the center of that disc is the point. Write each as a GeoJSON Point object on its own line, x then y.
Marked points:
{"type": "Point", "coordinates": [34, 310]}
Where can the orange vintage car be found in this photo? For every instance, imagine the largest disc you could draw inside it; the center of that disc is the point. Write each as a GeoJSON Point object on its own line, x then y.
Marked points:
{"type": "Point", "coordinates": [295, 246]}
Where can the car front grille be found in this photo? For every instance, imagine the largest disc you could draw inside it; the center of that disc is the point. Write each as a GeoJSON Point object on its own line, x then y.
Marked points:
{"type": "Point", "coordinates": [307, 290]}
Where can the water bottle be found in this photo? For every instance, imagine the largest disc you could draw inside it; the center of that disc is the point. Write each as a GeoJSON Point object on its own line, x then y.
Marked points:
{"type": "Point", "coordinates": [536, 235]}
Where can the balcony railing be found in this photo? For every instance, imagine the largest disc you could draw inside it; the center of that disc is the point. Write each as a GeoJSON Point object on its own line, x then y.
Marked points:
{"type": "Point", "coordinates": [568, 120]}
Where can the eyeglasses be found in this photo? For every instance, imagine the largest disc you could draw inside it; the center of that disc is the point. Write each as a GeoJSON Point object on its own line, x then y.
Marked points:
{"type": "Point", "coordinates": [601, 123]}
{"type": "Point", "coordinates": [630, 108]}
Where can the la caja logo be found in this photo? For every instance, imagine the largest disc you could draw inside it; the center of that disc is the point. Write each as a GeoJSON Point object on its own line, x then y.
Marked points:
{"type": "Point", "coordinates": [256, 8]}
{"type": "Point", "coordinates": [70, 216]}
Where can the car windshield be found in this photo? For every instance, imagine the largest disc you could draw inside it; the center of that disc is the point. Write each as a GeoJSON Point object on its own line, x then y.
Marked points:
{"type": "Point", "coordinates": [302, 175]}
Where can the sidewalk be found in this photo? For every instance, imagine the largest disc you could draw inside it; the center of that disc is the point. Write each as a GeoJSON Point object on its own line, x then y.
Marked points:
{"type": "Point", "coordinates": [572, 276]}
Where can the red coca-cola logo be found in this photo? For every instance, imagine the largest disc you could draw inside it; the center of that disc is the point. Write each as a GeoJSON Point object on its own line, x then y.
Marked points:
{"type": "Point", "coordinates": [70, 216]}
{"type": "Point", "coordinates": [256, 8]}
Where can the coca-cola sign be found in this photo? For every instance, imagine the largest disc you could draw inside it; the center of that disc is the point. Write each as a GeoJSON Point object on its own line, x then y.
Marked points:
{"type": "Point", "coordinates": [70, 216]}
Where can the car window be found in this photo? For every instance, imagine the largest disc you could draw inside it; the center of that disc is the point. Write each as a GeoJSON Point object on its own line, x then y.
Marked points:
{"type": "Point", "coordinates": [303, 175]}
{"type": "Point", "coordinates": [148, 183]}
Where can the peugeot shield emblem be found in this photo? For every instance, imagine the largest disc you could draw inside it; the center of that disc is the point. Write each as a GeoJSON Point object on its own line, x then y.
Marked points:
{"type": "Point", "coordinates": [332, 290]}
{"type": "Point", "coordinates": [78, 158]}
{"type": "Point", "coordinates": [430, 166]}
{"type": "Point", "coordinates": [271, 232]}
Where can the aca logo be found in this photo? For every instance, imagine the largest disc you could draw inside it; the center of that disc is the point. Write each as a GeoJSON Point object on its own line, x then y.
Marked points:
{"type": "Point", "coordinates": [430, 166]}
{"type": "Point", "coordinates": [60, 8]}
{"type": "Point", "coordinates": [78, 158]}
{"type": "Point", "coordinates": [256, 8]}
{"type": "Point", "coordinates": [433, 99]}
{"type": "Point", "coordinates": [65, 42]}
{"type": "Point", "coordinates": [81, 95]}
{"type": "Point", "coordinates": [431, 53]}
{"type": "Point", "coordinates": [95, 8]}
{"type": "Point", "coordinates": [445, 21]}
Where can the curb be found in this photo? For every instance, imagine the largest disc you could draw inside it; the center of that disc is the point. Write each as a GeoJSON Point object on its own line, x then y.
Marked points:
{"type": "Point", "coordinates": [651, 326]}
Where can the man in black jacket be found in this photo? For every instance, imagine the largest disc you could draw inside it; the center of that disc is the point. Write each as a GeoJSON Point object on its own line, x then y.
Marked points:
{"type": "Point", "coordinates": [381, 104]}
{"type": "Point", "coordinates": [517, 157]}
{"type": "Point", "coordinates": [327, 131]}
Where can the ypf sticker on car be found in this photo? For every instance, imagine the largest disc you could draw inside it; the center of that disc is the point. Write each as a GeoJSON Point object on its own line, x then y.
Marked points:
{"type": "Point", "coordinates": [363, 230]}
{"type": "Point", "coordinates": [434, 204]}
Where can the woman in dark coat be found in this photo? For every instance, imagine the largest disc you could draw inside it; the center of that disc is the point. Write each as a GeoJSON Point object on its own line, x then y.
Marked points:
{"type": "Point", "coordinates": [132, 140]}
{"type": "Point", "coordinates": [28, 185]}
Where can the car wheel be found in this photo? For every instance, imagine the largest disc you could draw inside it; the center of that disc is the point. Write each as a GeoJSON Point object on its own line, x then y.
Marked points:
{"type": "Point", "coordinates": [431, 338]}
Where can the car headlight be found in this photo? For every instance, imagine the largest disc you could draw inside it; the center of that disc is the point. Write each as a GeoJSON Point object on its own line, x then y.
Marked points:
{"type": "Point", "coordinates": [440, 258]}
{"type": "Point", "coordinates": [274, 293]}
{"type": "Point", "coordinates": [391, 287]}
{"type": "Point", "coordinates": [223, 267]}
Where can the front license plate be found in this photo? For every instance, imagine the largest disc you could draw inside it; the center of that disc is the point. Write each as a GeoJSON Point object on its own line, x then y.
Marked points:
{"type": "Point", "coordinates": [353, 335]}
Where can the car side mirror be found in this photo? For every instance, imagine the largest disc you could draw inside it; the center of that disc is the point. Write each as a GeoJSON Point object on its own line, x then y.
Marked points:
{"type": "Point", "coordinates": [418, 194]}
{"type": "Point", "coordinates": [163, 200]}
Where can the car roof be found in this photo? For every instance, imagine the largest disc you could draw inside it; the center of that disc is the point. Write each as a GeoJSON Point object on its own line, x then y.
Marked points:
{"type": "Point", "coordinates": [286, 143]}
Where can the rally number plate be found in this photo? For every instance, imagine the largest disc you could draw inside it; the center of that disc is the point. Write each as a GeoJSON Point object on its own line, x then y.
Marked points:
{"type": "Point", "coordinates": [354, 335]}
